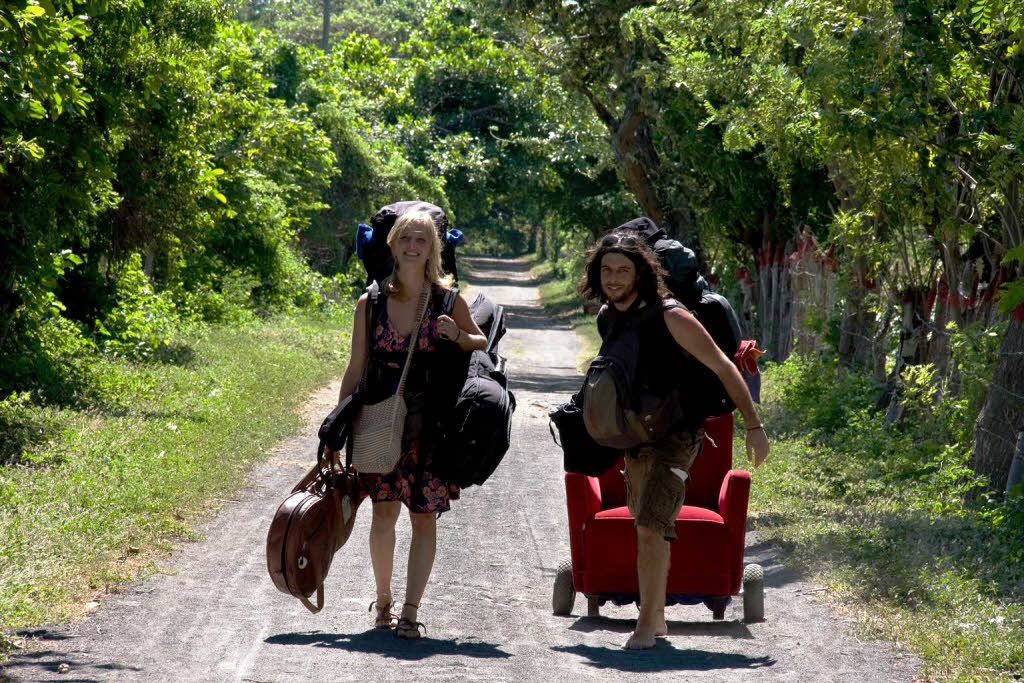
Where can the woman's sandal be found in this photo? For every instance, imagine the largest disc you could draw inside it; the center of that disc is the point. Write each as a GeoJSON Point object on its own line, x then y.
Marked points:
{"type": "Point", "coordinates": [385, 617]}
{"type": "Point", "coordinates": [409, 629]}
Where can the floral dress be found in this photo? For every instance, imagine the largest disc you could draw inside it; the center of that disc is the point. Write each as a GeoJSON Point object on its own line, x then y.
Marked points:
{"type": "Point", "coordinates": [411, 482]}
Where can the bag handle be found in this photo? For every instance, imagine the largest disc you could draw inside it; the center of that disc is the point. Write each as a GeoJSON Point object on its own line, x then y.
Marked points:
{"type": "Point", "coordinates": [319, 600]}
{"type": "Point", "coordinates": [496, 322]}
{"type": "Point", "coordinates": [414, 337]}
{"type": "Point", "coordinates": [551, 428]}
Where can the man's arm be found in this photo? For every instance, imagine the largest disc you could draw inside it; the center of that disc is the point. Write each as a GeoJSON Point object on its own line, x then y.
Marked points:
{"type": "Point", "coordinates": [691, 335]}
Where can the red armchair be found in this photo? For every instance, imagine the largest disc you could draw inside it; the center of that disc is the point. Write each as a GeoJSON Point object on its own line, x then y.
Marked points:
{"type": "Point", "coordinates": [706, 559]}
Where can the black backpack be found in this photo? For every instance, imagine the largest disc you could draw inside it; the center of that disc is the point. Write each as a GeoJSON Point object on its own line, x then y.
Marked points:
{"type": "Point", "coordinates": [713, 311]}
{"type": "Point", "coordinates": [580, 453]}
{"type": "Point", "coordinates": [717, 316]}
{"type": "Point", "coordinates": [376, 254]}
{"type": "Point", "coordinates": [617, 411]}
{"type": "Point", "coordinates": [680, 263]}
{"type": "Point", "coordinates": [480, 427]}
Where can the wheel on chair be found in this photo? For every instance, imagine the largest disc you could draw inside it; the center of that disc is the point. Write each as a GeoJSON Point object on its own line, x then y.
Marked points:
{"type": "Point", "coordinates": [563, 595]}
{"type": "Point", "coordinates": [753, 593]}
{"type": "Point", "coordinates": [717, 605]}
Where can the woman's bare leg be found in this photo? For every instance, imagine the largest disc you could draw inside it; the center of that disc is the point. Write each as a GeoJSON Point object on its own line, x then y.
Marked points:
{"type": "Point", "coordinates": [382, 546]}
{"type": "Point", "coordinates": [421, 560]}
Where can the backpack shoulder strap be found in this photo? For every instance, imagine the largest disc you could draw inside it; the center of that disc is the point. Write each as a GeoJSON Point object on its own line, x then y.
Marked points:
{"type": "Point", "coordinates": [448, 302]}
{"type": "Point", "coordinates": [603, 321]}
{"type": "Point", "coordinates": [372, 315]}
{"type": "Point", "coordinates": [669, 304]}
{"type": "Point", "coordinates": [373, 299]}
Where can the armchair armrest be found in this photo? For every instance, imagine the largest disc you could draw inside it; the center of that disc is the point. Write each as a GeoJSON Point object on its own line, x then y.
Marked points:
{"type": "Point", "coordinates": [583, 498]}
{"type": "Point", "coordinates": [732, 505]}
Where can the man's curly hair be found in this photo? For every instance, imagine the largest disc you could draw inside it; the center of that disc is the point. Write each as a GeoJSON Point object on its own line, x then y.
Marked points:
{"type": "Point", "coordinates": [650, 276]}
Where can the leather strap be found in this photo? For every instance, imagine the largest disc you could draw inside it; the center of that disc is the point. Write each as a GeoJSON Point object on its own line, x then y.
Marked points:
{"type": "Point", "coordinates": [414, 337]}
{"type": "Point", "coordinates": [319, 600]}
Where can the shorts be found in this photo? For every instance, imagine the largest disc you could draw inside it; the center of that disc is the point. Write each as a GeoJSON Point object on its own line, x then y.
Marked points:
{"type": "Point", "coordinates": [656, 480]}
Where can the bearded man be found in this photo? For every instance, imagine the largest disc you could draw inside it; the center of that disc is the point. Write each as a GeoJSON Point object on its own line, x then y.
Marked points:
{"type": "Point", "coordinates": [624, 274]}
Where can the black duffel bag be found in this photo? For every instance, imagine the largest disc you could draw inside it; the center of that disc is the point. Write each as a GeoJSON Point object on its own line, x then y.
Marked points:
{"type": "Point", "coordinates": [480, 425]}
{"type": "Point", "coordinates": [580, 453]}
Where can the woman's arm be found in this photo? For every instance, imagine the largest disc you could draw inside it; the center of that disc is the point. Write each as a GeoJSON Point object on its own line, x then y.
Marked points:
{"type": "Point", "coordinates": [357, 359]}
{"type": "Point", "coordinates": [461, 328]}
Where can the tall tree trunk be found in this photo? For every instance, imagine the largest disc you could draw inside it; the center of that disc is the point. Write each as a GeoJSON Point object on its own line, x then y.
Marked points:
{"type": "Point", "coordinates": [325, 41]}
{"type": "Point", "coordinates": [632, 139]}
{"type": "Point", "coordinates": [995, 432]}
{"type": "Point", "coordinates": [853, 330]}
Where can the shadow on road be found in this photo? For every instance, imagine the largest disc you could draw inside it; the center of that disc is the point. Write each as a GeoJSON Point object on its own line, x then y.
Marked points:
{"type": "Point", "coordinates": [384, 643]}
{"type": "Point", "coordinates": [50, 661]}
{"type": "Point", "coordinates": [546, 384]}
{"type": "Point", "coordinates": [731, 629]}
{"type": "Point", "coordinates": [533, 318]}
{"type": "Point", "coordinates": [663, 657]}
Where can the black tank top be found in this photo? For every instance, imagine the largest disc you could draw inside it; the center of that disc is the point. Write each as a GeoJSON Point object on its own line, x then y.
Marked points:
{"type": "Point", "coordinates": [662, 361]}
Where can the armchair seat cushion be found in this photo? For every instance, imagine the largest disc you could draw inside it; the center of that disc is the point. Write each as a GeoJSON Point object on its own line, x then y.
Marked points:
{"type": "Point", "coordinates": [699, 557]}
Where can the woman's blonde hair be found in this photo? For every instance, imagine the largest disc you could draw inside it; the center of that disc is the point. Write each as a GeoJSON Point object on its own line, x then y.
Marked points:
{"type": "Point", "coordinates": [432, 273]}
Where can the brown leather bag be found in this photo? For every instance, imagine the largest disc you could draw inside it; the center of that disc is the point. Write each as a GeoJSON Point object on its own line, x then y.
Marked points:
{"type": "Point", "coordinates": [309, 527]}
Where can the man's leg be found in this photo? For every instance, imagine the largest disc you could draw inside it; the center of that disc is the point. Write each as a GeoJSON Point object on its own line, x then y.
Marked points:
{"type": "Point", "coordinates": [652, 570]}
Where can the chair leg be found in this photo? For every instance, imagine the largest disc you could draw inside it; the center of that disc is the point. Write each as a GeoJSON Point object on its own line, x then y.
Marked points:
{"type": "Point", "coordinates": [717, 605]}
{"type": "Point", "coordinates": [593, 606]}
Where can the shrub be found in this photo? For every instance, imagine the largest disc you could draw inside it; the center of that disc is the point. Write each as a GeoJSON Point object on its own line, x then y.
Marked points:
{"type": "Point", "coordinates": [142, 320]}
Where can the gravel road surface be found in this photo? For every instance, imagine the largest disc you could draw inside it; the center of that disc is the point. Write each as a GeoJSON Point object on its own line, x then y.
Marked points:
{"type": "Point", "coordinates": [214, 615]}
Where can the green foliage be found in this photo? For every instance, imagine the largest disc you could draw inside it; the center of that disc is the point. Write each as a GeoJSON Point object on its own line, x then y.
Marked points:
{"type": "Point", "coordinates": [142, 321]}
{"type": "Point", "coordinates": [882, 515]}
{"type": "Point", "coordinates": [83, 488]}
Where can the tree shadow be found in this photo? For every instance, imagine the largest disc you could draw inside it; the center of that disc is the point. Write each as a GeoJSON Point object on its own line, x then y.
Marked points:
{"type": "Point", "coordinates": [21, 666]}
{"type": "Point", "coordinates": [177, 354]}
{"type": "Point", "coordinates": [663, 657]}
{"type": "Point", "coordinates": [384, 643]}
{"type": "Point", "coordinates": [546, 384]}
{"type": "Point", "coordinates": [901, 551]}
{"type": "Point", "coordinates": [513, 266]}
{"type": "Point", "coordinates": [535, 318]}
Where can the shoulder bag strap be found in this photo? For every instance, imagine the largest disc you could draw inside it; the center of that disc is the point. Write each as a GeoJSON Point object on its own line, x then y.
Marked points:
{"type": "Point", "coordinates": [414, 337]}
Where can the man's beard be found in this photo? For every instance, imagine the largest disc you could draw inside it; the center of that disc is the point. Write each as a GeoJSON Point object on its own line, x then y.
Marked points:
{"type": "Point", "coordinates": [622, 295]}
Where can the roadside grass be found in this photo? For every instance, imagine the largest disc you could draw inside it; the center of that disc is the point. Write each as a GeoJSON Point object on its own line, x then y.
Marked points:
{"type": "Point", "coordinates": [938, 578]}
{"type": "Point", "coordinates": [560, 299]}
{"type": "Point", "coordinates": [117, 483]}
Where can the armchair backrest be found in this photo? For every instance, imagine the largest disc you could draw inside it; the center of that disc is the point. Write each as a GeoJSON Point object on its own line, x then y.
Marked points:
{"type": "Point", "coordinates": [706, 473]}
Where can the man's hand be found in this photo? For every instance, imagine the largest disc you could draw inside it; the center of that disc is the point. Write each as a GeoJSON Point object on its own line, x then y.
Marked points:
{"type": "Point", "coordinates": [757, 446]}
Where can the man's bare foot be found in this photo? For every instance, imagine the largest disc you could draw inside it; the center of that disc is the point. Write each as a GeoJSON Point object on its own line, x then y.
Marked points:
{"type": "Point", "coordinates": [642, 639]}
{"type": "Point", "coordinates": [661, 629]}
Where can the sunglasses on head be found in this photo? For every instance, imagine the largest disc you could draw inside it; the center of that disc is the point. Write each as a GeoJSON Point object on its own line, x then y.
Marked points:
{"type": "Point", "coordinates": [624, 240]}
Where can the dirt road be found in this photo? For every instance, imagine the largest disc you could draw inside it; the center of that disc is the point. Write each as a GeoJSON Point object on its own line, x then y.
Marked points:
{"type": "Point", "coordinates": [215, 616]}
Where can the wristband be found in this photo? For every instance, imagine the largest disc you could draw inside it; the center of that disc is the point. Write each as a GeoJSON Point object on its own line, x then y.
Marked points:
{"type": "Point", "coordinates": [754, 429]}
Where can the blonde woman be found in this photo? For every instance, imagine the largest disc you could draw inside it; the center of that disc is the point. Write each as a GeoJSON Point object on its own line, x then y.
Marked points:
{"type": "Point", "coordinates": [430, 391]}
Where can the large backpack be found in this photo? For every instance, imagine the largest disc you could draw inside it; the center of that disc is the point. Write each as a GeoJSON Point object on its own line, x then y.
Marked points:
{"type": "Point", "coordinates": [713, 311]}
{"type": "Point", "coordinates": [680, 264]}
{"type": "Point", "coordinates": [372, 240]}
{"type": "Point", "coordinates": [480, 426]}
{"type": "Point", "coordinates": [617, 412]}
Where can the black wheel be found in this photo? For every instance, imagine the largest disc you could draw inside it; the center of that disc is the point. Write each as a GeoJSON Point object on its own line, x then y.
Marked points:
{"type": "Point", "coordinates": [564, 595]}
{"type": "Point", "coordinates": [753, 593]}
{"type": "Point", "coordinates": [717, 604]}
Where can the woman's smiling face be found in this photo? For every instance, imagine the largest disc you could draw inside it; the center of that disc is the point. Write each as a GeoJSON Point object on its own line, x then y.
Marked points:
{"type": "Point", "coordinates": [413, 247]}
